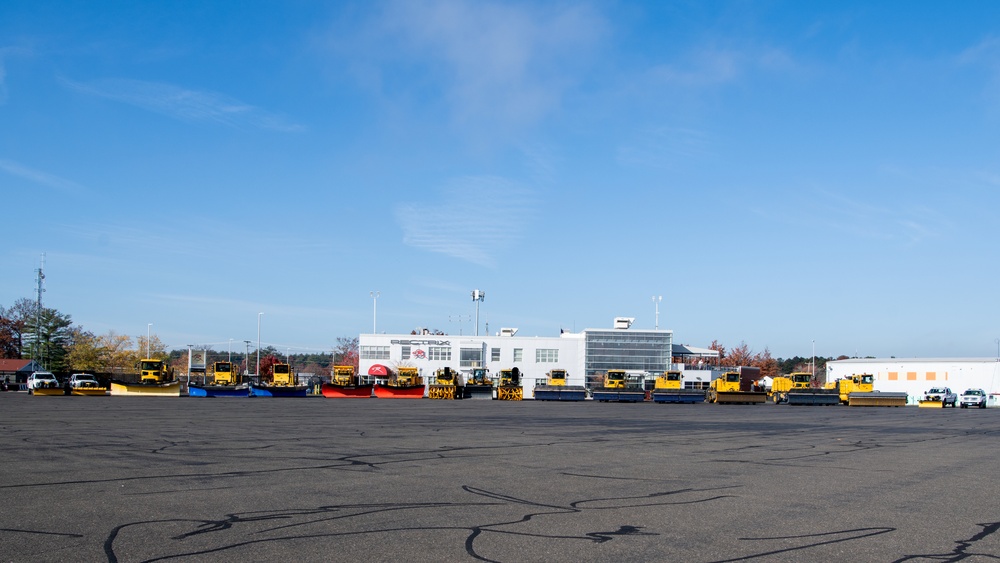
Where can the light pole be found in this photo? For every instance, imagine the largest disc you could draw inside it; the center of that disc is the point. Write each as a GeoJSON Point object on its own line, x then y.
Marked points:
{"type": "Point", "coordinates": [478, 297]}
{"type": "Point", "coordinates": [148, 326]}
{"type": "Point", "coordinates": [257, 370]}
{"type": "Point", "coordinates": [814, 361]}
{"type": "Point", "coordinates": [656, 303]}
{"type": "Point", "coordinates": [375, 295]}
{"type": "Point", "coordinates": [246, 359]}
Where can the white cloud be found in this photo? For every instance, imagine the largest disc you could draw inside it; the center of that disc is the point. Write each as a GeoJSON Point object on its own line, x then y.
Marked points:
{"type": "Point", "coordinates": [663, 147]}
{"type": "Point", "coordinates": [500, 62]}
{"type": "Point", "coordinates": [184, 104]}
{"type": "Point", "coordinates": [475, 219]}
{"type": "Point", "coordinates": [41, 178]}
{"type": "Point", "coordinates": [712, 66]}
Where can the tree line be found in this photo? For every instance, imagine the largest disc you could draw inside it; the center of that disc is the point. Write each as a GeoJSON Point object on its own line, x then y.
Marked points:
{"type": "Point", "coordinates": [48, 336]}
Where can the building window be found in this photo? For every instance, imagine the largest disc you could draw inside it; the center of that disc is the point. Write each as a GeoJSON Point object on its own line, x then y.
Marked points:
{"type": "Point", "coordinates": [495, 354]}
{"type": "Point", "coordinates": [546, 355]}
{"type": "Point", "coordinates": [518, 355]}
{"type": "Point", "coordinates": [471, 358]}
{"type": "Point", "coordinates": [439, 353]}
{"type": "Point", "coordinates": [405, 353]}
{"type": "Point", "coordinates": [374, 352]}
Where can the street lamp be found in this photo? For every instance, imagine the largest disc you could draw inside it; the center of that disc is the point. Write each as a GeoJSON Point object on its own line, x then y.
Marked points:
{"type": "Point", "coordinates": [478, 297]}
{"type": "Point", "coordinates": [375, 295]}
{"type": "Point", "coordinates": [148, 326]}
{"type": "Point", "coordinates": [246, 359]}
{"type": "Point", "coordinates": [814, 361]}
{"type": "Point", "coordinates": [656, 303]}
{"type": "Point", "coordinates": [257, 371]}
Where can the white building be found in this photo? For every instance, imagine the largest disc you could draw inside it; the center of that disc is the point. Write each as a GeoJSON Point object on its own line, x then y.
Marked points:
{"type": "Point", "coordinates": [914, 376]}
{"type": "Point", "coordinates": [586, 354]}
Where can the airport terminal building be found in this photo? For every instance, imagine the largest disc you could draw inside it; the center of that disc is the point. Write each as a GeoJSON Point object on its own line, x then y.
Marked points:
{"type": "Point", "coordinates": [585, 355]}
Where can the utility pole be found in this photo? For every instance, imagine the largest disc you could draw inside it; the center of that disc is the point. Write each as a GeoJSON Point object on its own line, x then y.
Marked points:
{"type": "Point", "coordinates": [375, 295]}
{"type": "Point", "coordinates": [478, 297]}
{"type": "Point", "coordinates": [246, 359]}
{"type": "Point", "coordinates": [38, 314]}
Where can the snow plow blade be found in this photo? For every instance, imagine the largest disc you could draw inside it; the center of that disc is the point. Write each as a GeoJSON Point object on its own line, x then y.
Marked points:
{"type": "Point", "coordinates": [478, 392]}
{"type": "Point", "coordinates": [346, 392]}
{"type": "Point", "coordinates": [814, 398]}
{"type": "Point", "coordinates": [560, 393]}
{"type": "Point", "coordinates": [279, 390]}
{"type": "Point", "coordinates": [922, 403]}
{"type": "Point", "coordinates": [49, 391]}
{"type": "Point", "coordinates": [89, 391]}
{"type": "Point", "coordinates": [390, 392]}
{"type": "Point", "coordinates": [877, 399]}
{"type": "Point", "coordinates": [683, 396]}
{"type": "Point", "coordinates": [741, 397]}
{"type": "Point", "coordinates": [618, 395]}
{"type": "Point", "coordinates": [172, 389]}
{"type": "Point", "coordinates": [218, 390]}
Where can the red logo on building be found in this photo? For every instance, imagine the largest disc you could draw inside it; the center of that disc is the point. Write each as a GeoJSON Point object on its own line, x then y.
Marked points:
{"type": "Point", "coordinates": [418, 354]}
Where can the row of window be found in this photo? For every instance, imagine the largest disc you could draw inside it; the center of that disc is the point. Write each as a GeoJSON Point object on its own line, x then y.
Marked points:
{"type": "Point", "coordinates": [470, 357]}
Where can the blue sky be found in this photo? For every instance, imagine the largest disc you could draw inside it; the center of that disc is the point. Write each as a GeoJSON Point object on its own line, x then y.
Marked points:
{"type": "Point", "coordinates": [780, 172]}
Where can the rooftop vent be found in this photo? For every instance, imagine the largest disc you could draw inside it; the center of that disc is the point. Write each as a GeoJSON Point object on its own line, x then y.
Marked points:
{"type": "Point", "coordinates": [508, 331]}
{"type": "Point", "coordinates": [623, 323]}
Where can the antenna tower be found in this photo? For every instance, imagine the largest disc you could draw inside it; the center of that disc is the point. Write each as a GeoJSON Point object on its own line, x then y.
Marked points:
{"type": "Point", "coordinates": [39, 290]}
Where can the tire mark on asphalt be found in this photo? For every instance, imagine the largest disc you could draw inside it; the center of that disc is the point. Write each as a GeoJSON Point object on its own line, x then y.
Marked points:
{"type": "Point", "coordinates": [856, 534]}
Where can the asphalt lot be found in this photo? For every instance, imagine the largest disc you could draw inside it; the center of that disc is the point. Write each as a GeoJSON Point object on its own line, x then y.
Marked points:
{"type": "Point", "coordinates": [151, 479]}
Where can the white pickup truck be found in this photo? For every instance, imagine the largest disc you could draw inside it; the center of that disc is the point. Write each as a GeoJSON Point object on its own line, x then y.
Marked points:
{"type": "Point", "coordinates": [944, 395]}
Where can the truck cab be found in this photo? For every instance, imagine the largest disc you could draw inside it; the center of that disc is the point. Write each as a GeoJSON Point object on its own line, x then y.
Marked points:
{"type": "Point", "coordinates": [224, 373]}
{"type": "Point", "coordinates": [152, 371]}
{"type": "Point", "coordinates": [283, 375]}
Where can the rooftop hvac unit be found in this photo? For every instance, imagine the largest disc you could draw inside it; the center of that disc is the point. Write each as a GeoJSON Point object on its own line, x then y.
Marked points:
{"type": "Point", "coordinates": [623, 323]}
{"type": "Point", "coordinates": [508, 331]}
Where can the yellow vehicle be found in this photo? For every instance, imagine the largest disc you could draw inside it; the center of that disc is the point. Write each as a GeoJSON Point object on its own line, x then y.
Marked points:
{"type": "Point", "coordinates": [797, 389]}
{"type": "Point", "coordinates": [344, 384]}
{"type": "Point", "coordinates": [156, 379]}
{"type": "Point", "coordinates": [478, 385]}
{"type": "Point", "coordinates": [155, 372]}
{"type": "Point", "coordinates": [730, 387]}
{"type": "Point", "coordinates": [282, 376]}
{"type": "Point", "coordinates": [617, 387]}
{"type": "Point", "coordinates": [342, 375]}
{"type": "Point", "coordinates": [669, 388]}
{"type": "Point", "coordinates": [447, 385]}
{"type": "Point", "coordinates": [224, 374]}
{"type": "Point", "coordinates": [858, 391]}
{"type": "Point", "coordinates": [557, 389]}
{"type": "Point", "coordinates": [510, 385]}
{"type": "Point", "coordinates": [404, 383]}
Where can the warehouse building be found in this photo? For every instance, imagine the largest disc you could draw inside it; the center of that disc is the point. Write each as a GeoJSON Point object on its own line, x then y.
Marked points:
{"type": "Point", "coordinates": [585, 355]}
{"type": "Point", "coordinates": [914, 376]}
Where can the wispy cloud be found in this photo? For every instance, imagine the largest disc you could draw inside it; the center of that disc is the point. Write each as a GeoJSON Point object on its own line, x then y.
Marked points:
{"type": "Point", "coordinates": [475, 219]}
{"type": "Point", "coordinates": [663, 147]}
{"type": "Point", "coordinates": [182, 103]}
{"type": "Point", "coordinates": [500, 62]}
{"type": "Point", "coordinates": [41, 178]}
{"type": "Point", "coordinates": [713, 66]}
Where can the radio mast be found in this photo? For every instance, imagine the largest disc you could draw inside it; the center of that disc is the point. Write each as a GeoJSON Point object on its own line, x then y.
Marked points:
{"type": "Point", "coordinates": [39, 290]}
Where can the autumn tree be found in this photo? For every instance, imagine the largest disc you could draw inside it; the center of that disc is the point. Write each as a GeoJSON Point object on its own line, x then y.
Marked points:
{"type": "Point", "coordinates": [85, 353]}
{"type": "Point", "coordinates": [768, 365]}
{"type": "Point", "coordinates": [13, 324]}
{"type": "Point", "coordinates": [267, 367]}
{"type": "Point", "coordinates": [346, 352]}
{"type": "Point", "coordinates": [741, 355]}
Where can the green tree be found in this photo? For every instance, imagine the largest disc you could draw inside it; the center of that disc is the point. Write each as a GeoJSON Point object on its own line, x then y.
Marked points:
{"type": "Point", "coordinates": [85, 352]}
{"type": "Point", "coordinates": [48, 336]}
{"type": "Point", "coordinates": [13, 324]}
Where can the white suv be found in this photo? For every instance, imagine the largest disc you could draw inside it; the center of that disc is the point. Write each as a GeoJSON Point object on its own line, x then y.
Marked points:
{"type": "Point", "coordinates": [42, 380]}
{"type": "Point", "coordinates": [973, 398]}
{"type": "Point", "coordinates": [83, 381]}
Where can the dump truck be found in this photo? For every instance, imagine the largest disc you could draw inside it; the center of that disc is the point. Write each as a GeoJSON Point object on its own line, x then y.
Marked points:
{"type": "Point", "coordinates": [156, 379]}
{"type": "Point", "coordinates": [281, 383]}
{"type": "Point", "coordinates": [478, 385]}
{"type": "Point", "coordinates": [510, 388]}
{"type": "Point", "coordinates": [858, 390]}
{"type": "Point", "coordinates": [797, 389]}
{"type": "Point", "coordinates": [736, 387]}
{"type": "Point", "coordinates": [446, 385]}
{"type": "Point", "coordinates": [617, 386]}
{"type": "Point", "coordinates": [404, 383]}
{"type": "Point", "coordinates": [344, 384]}
{"type": "Point", "coordinates": [556, 388]}
{"type": "Point", "coordinates": [669, 388]}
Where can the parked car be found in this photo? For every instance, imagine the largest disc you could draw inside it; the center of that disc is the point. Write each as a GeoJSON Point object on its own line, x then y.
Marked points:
{"type": "Point", "coordinates": [943, 394]}
{"type": "Point", "coordinates": [973, 398]}
{"type": "Point", "coordinates": [83, 381]}
{"type": "Point", "coordinates": [42, 380]}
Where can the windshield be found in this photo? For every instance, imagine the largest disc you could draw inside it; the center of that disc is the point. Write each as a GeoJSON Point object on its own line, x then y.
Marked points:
{"type": "Point", "coordinates": [732, 377]}
{"type": "Point", "coordinates": [973, 392]}
{"type": "Point", "coordinates": [867, 378]}
{"type": "Point", "coordinates": [150, 366]}
{"type": "Point", "coordinates": [280, 368]}
{"type": "Point", "coordinates": [223, 366]}
{"type": "Point", "coordinates": [936, 390]}
{"type": "Point", "coordinates": [801, 378]}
